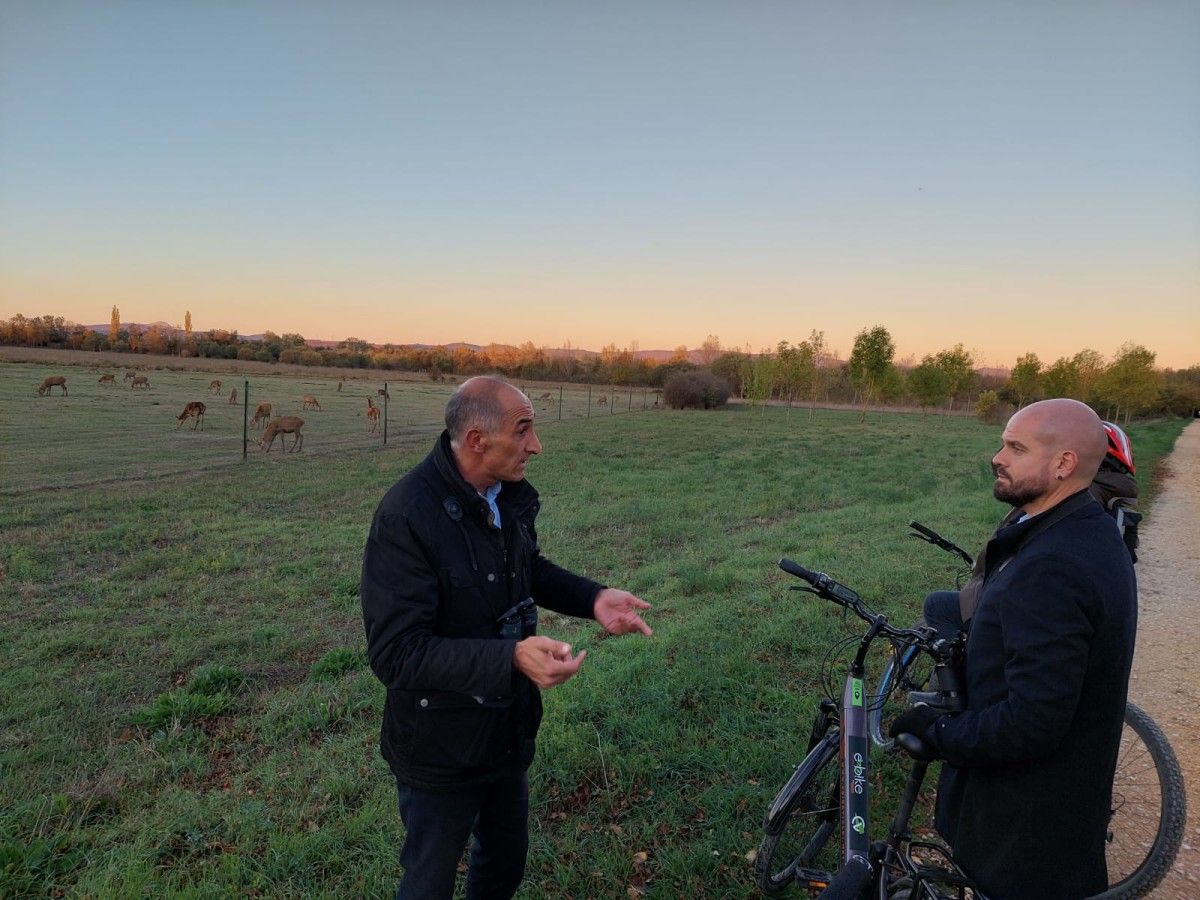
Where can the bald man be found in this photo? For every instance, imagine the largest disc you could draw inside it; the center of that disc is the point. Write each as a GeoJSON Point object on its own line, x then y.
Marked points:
{"type": "Point", "coordinates": [1026, 787]}
{"type": "Point", "coordinates": [452, 577]}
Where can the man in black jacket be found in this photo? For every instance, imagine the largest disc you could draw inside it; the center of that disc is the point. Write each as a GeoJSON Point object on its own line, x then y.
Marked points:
{"type": "Point", "coordinates": [452, 577]}
{"type": "Point", "coordinates": [1025, 791]}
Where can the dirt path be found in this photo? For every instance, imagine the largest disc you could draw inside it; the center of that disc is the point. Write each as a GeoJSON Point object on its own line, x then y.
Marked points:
{"type": "Point", "coordinates": [1166, 667]}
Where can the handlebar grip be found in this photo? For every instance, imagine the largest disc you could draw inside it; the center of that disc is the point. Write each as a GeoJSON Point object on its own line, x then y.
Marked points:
{"type": "Point", "coordinates": [794, 568]}
{"type": "Point", "coordinates": [928, 532]}
{"type": "Point", "coordinates": [916, 747]}
{"type": "Point", "coordinates": [850, 882]}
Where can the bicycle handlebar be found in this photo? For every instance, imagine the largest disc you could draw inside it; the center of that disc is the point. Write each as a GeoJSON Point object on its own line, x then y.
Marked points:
{"type": "Point", "coordinates": [836, 592]}
{"type": "Point", "coordinates": [932, 537]}
{"type": "Point", "coordinates": [823, 584]}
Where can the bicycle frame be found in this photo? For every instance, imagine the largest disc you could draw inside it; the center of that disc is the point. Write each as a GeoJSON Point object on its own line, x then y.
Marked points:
{"type": "Point", "coordinates": [855, 754]}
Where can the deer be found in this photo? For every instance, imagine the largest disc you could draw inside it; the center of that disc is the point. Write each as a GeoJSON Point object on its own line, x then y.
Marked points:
{"type": "Point", "coordinates": [232, 396]}
{"type": "Point", "coordinates": [340, 383]}
{"type": "Point", "coordinates": [383, 392]}
{"type": "Point", "coordinates": [130, 374]}
{"type": "Point", "coordinates": [310, 402]}
{"type": "Point", "coordinates": [139, 381]}
{"type": "Point", "coordinates": [51, 382]}
{"type": "Point", "coordinates": [372, 416]}
{"type": "Point", "coordinates": [195, 409]}
{"type": "Point", "coordinates": [214, 386]}
{"type": "Point", "coordinates": [108, 379]}
{"type": "Point", "coordinates": [602, 400]}
{"type": "Point", "coordinates": [284, 425]}
{"type": "Point", "coordinates": [547, 397]}
{"type": "Point", "coordinates": [261, 414]}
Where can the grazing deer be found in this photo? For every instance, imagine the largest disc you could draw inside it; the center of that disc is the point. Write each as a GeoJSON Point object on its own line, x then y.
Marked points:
{"type": "Point", "coordinates": [52, 382]}
{"type": "Point", "coordinates": [602, 400]}
{"type": "Point", "coordinates": [310, 402]}
{"type": "Point", "coordinates": [372, 416]}
{"type": "Point", "coordinates": [232, 396]}
{"type": "Point", "coordinates": [383, 392]}
{"type": "Point", "coordinates": [284, 425]}
{"type": "Point", "coordinates": [108, 379]}
{"type": "Point", "coordinates": [548, 397]}
{"type": "Point", "coordinates": [261, 414]}
{"type": "Point", "coordinates": [214, 386]}
{"type": "Point", "coordinates": [139, 381]}
{"type": "Point", "coordinates": [130, 374]}
{"type": "Point", "coordinates": [195, 409]}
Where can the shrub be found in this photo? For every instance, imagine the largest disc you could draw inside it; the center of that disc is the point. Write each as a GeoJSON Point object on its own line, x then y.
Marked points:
{"type": "Point", "coordinates": [695, 390]}
{"type": "Point", "coordinates": [987, 406]}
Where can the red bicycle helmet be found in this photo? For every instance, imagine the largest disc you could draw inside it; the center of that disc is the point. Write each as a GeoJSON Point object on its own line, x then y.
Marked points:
{"type": "Point", "coordinates": [1119, 448]}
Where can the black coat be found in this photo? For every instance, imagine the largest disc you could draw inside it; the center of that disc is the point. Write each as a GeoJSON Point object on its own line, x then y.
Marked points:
{"type": "Point", "coordinates": [435, 578]}
{"type": "Point", "coordinates": [1025, 793]}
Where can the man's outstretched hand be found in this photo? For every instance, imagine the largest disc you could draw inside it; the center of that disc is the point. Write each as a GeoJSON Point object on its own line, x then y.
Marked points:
{"type": "Point", "coordinates": [617, 612]}
{"type": "Point", "coordinates": [545, 661]}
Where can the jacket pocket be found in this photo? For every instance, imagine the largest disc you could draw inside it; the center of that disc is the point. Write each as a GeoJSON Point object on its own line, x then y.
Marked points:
{"type": "Point", "coordinates": [456, 731]}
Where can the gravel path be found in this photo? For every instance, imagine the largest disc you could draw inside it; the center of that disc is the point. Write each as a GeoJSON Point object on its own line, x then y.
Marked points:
{"type": "Point", "coordinates": [1166, 666]}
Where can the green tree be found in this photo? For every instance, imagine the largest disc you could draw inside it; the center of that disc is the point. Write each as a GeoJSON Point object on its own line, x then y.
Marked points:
{"type": "Point", "coordinates": [1089, 366]}
{"type": "Point", "coordinates": [1129, 385]}
{"type": "Point", "coordinates": [929, 384]}
{"type": "Point", "coordinates": [958, 365]}
{"type": "Point", "coordinates": [760, 378]}
{"type": "Point", "coordinates": [114, 327]}
{"type": "Point", "coordinates": [1026, 378]}
{"type": "Point", "coordinates": [818, 353]}
{"type": "Point", "coordinates": [871, 364]}
{"type": "Point", "coordinates": [1061, 379]}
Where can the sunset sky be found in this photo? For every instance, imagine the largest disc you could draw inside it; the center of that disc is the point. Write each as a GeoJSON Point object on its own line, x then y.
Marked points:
{"type": "Point", "coordinates": [1015, 176]}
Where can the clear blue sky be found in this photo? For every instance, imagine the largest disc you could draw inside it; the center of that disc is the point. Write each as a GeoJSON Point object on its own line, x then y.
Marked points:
{"type": "Point", "coordinates": [1013, 176]}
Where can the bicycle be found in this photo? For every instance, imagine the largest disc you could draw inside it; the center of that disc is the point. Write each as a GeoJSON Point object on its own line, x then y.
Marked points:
{"type": "Point", "coordinates": [1148, 817]}
{"type": "Point", "coordinates": [799, 845]}
{"type": "Point", "coordinates": [830, 788]}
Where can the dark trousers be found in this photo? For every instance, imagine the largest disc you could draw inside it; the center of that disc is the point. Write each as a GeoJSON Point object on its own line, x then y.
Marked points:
{"type": "Point", "coordinates": [437, 826]}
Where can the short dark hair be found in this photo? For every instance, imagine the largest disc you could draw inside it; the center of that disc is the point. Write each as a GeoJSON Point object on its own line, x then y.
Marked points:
{"type": "Point", "coordinates": [476, 404]}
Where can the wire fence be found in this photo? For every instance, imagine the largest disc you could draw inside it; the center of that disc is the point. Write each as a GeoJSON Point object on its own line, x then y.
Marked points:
{"type": "Point", "coordinates": [111, 430]}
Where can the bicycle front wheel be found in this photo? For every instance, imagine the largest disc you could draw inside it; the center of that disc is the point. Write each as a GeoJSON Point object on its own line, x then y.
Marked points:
{"type": "Point", "coordinates": [801, 826]}
{"type": "Point", "coordinates": [1145, 827]}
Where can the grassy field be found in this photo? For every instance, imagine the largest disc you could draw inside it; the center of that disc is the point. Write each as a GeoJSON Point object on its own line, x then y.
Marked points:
{"type": "Point", "coordinates": [108, 432]}
{"type": "Point", "coordinates": [187, 711]}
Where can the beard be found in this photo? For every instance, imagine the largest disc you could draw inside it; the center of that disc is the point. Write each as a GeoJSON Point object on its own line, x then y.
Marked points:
{"type": "Point", "coordinates": [1020, 493]}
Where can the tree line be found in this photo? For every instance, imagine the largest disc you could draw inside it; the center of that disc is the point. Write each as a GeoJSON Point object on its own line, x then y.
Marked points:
{"type": "Point", "coordinates": [1119, 388]}
{"type": "Point", "coordinates": [808, 371]}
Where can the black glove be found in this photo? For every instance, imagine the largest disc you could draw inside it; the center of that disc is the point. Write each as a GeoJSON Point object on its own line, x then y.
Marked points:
{"type": "Point", "coordinates": [916, 720]}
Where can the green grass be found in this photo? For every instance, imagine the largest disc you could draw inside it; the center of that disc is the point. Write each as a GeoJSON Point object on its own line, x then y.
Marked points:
{"type": "Point", "coordinates": [186, 710]}
{"type": "Point", "coordinates": [110, 432]}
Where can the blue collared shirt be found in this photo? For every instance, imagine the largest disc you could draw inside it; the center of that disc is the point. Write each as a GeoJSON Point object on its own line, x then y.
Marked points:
{"type": "Point", "coordinates": [490, 496]}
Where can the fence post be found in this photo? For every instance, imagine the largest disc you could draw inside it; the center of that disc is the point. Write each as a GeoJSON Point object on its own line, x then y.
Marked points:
{"type": "Point", "coordinates": [560, 403]}
{"type": "Point", "coordinates": [386, 397]}
{"type": "Point", "coordinates": [644, 398]}
{"type": "Point", "coordinates": [589, 403]}
{"type": "Point", "coordinates": [245, 414]}
{"type": "Point", "coordinates": [630, 406]}
{"type": "Point", "coordinates": [612, 405]}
